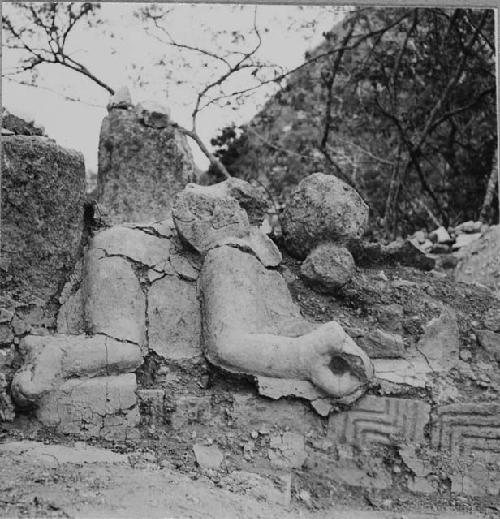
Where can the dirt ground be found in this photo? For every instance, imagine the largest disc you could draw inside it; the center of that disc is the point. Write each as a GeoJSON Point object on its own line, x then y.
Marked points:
{"type": "Point", "coordinates": [38, 480]}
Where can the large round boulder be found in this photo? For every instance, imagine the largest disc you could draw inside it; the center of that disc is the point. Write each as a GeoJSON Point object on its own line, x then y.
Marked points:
{"type": "Point", "coordinates": [322, 208]}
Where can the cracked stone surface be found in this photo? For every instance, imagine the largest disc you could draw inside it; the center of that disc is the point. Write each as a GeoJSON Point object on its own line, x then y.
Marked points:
{"type": "Point", "coordinates": [70, 318]}
{"type": "Point", "coordinates": [51, 359]}
{"type": "Point", "coordinates": [115, 304]}
{"type": "Point", "coordinates": [174, 319]}
{"type": "Point", "coordinates": [134, 244]}
{"type": "Point", "coordinates": [100, 407]}
{"type": "Point", "coordinates": [255, 242]}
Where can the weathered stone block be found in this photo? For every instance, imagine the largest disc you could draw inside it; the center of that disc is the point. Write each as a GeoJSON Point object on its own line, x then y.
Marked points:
{"type": "Point", "coordinates": [101, 407]}
{"type": "Point", "coordinates": [468, 429]}
{"type": "Point", "coordinates": [114, 302]}
{"type": "Point", "coordinates": [174, 319]}
{"type": "Point", "coordinates": [140, 168]}
{"type": "Point", "coordinates": [43, 190]}
{"type": "Point", "coordinates": [379, 420]}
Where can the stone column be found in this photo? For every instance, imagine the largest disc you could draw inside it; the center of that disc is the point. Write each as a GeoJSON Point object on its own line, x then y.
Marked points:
{"type": "Point", "coordinates": [143, 162]}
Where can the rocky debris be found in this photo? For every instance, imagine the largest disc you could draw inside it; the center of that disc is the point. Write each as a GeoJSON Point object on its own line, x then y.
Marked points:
{"type": "Point", "coordinates": [249, 317]}
{"type": "Point", "coordinates": [492, 320]}
{"type": "Point", "coordinates": [440, 342]}
{"type": "Point", "coordinates": [440, 236]}
{"type": "Point", "coordinates": [390, 316]}
{"type": "Point", "coordinates": [174, 319]}
{"type": "Point", "coordinates": [98, 407]}
{"type": "Point", "coordinates": [14, 125]}
{"type": "Point", "coordinates": [287, 451]}
{"type": "Point", "coordinates": [50, 360]}
{"type": "Point", "coordinates": [43, 191]}
{"type": "Point", "coordinates": [140, 168]}
{"type": "Point", "coordinates": [208, 456]}
{"type": "Point", "coordinates": [121, 99]}
{"type": "Point", "coordinates": [115, 304]}
{"type": "Point", "coordinates": [322, 208]}
{"type": "Point", "coordinates": [463, 240]}
{"type": "Point", "coordinates": [490, 342]}
{"type": "Point", "coordinates": [205, 215]}
{"type": "Point", "coordinates": [469, 227]}
{"type": "Point", "coordinates": [7, 411]}
{"type": "Point", "coordinates": [153, 405]}
{"type": "Point", "coordinates": [480, 261]}
{"type": "Point", "coordinates": [400, 252]}
{"type": "Point", "coordinates": [52, 456]}
{"type": "Point", "coordinates": [328, 267]}
{"type": "Point", "coordinates": [254, 241]}
{"type": "Point", "coordinates": [276, 490]}
{"type": "Point", "coordinates": [153, 114]}
{"type": "Point", "coordinates": [379, 344]}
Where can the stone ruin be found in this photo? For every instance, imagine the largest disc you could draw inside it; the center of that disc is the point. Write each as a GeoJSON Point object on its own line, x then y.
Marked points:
{"type": "Point", "coordinates": [185, 321]}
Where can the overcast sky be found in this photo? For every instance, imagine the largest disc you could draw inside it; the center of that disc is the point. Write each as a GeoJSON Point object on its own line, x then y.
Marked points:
{"type": "Point", "coordinates": [122, 53]}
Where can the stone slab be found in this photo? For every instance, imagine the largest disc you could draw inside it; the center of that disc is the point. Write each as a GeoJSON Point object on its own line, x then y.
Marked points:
{"type": "Point", "coordinates": [174, 319]}
{"type": "Point", "coordinates": [380, 420]}
{"type": "Point", "coordinates": [468, 429]}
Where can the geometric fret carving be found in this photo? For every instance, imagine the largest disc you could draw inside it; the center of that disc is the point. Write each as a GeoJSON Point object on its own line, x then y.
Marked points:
{"type": "Point", "coordinates": [380, 420]}
{"type": "Point", "coordinates": [471, 429]}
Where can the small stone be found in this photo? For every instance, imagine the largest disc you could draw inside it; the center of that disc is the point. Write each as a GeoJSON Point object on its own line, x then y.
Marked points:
{"type": "Point", "coordinates": [153, 114]}
{"type": "Point", "coordinates": [440, 235]}
{"type": "Point", "coordinates": [492, 320]}
{"type": "Point", "coordinates": [465, 355]}
{"type": "Point", "coordinates": [254, 435]}
{"type": "Point", "coordinates": [490, 342]}
{"type": "Point", "coordinates": [208, 457]}
{"type": "Point", "coordinates": [6, 316]}
{"type": "Point", "coordinates": [121, 99]}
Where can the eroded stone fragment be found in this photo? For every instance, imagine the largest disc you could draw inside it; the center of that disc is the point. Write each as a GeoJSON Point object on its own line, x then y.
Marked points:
{"type": "Point", "coordinates": [480, 261]}
{"type": "Point", "coordinates": [328, 267]}
{"type": "Point", "coordinates": [174, 319]}
{"type": "Point", "coordinates": [322, 208]}
{"type": "Point", "coordinates": [287, 451]}
{"type": "Point", "coordinates": [440, 342]}
{"type": "Point", "coordinates": [490, 342]}
{"type": "Point", "coordinates": [121, 99]}
{"type": "Point", "coordinates": [204, 215]}
{"type": "Point", "coordinates": [51, 359]}
{"type": "Point", "coordinates": [153, 114]}
{"type": "Point", "coordinates": [208, 456]}
{"type": "Point", "coordinates": [100, 407]}
{"type": "Point", "coordinates": [114, 302]}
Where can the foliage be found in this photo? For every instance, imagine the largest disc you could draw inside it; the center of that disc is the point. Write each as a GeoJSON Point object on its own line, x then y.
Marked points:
{"type": "Point", "coordinates": [398, 102]}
